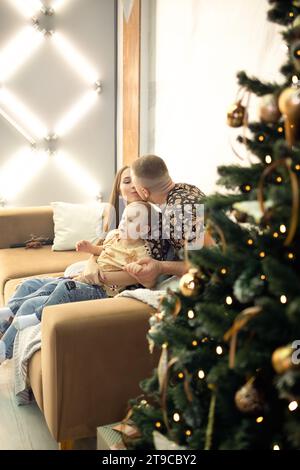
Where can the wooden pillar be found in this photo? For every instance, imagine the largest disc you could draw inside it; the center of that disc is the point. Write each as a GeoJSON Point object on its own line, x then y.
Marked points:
{"type": "Point", "coordinates": [131, 84]}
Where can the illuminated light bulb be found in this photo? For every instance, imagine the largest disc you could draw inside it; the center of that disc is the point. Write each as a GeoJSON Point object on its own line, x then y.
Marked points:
{"type": "Point", "coordinates": [259, 419]}
{"type": "Point", "coordinates": [279, 179]}
{"type": "Point", "coordinates": [263, 277]}
{"type": "Point", "coordinates": [268, 159]}
{"type": "Point", "coordinates": [262, 254]}
{"type": "Point", "coordinates": [191, 314]}
{"type": "Point", "coordinates": [158, 424]}
{"type": "Point", "coordinates": [280, 129]}
{"type": "Point", "coordinates": [250, 241]}
{"type": "Point", "coordinates": [283, 299]}
{"type": "Point", "coordinates": [293, 405]}
{"type": "Point", "coordinates": [76, 113]}
{"type": "Point", "coordinates": [261, 138]}
{"type": "Point", "coordinates": [291, 14]}
{"type": "Point", "coordinates": [165, 345]}
{"type": "Point", "coordinates": [18, 50]}
{"type": "Point", "coordinates": [75, 59]}
{"type": "Point", "coordinates": [295, 79]}
{"type": "Point", "coordinates": [194, 343]}
{"type": "Point", "coordinates": [21, 113]}
{"type": "Point", "coordinates": [77, 174]}
{"type": "Point", "coordinates": [219, 350]}
{"type": "Point", "coordinates": [247, 188]}
{"type": "Point", "coordinates": [180, 375]}
{"type": "Point", "coordinates": [282, 228]}
{"type": "Point", "coordinates": [275, 235]}
{"type": "Point", "coordinates": [176, 417]}
{"type": "Point", "coordinates": [291, 256]}
{"type": "Point", "coordinates": [188, 432]}
{"type": "Point", "coordinates": [201, 374]}
{"type": "Point", "coordinates": [223, 271]}
{"type": "Point", "coordinates": [27, 8]}
{"type": "Point", "coordinates": [144, 402]}
{"type": "Point", "coordinates": [228, 300]}
{"type": "Point", "coordinates": [297, 167]}
{"type": "Point", "coordinates": [276, 447]}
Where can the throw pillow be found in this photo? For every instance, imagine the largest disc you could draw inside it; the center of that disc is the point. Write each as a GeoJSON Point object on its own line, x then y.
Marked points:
{"type": "Point", "coordinates": [74, 222]}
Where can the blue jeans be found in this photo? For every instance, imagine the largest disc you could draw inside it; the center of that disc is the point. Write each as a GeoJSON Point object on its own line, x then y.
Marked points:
{"type": "Point", "coordinates": [28, 289]}
{"type": "Point", "coordinates": [62, 291]}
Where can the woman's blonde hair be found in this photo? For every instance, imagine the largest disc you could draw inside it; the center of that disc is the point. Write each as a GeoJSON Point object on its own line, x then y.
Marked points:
{"type": "Point", "coordinates": [113, 209]}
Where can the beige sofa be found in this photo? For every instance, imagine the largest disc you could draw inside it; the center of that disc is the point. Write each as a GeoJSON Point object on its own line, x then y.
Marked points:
{"type": "Point", "coordinates": [93, 354]}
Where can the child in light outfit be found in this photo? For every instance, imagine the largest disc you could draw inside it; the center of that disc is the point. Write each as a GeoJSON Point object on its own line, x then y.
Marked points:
{"type": "Point", "coordinates": [103, 276]}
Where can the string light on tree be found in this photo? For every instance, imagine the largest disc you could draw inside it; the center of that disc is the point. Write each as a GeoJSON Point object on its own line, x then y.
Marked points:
{"type": "Point", "coordinates": [176, 417]}
{"type": "Point", "coordinates": [219, 350]}
{"type": "Point", "coordinates": [188, 432]}
{"type": "Point", "coordinates": [191, 314]}
{"type": "Point", "coordinates": [263, 277]}
{"type": "Point", "coordinates": [246, 188]}
{"type": "Point", "coordinates": [250, 242]}
{"type": "Point", "coordinates": [283, 299]}
{"type": "Point", "coordinates": [275, 234]}
{"type": "Point", "coordinates": [278, 179]}
{"type": "Point", "coordinates": [291, 255]}
{"type": "Point", "coordinates": [229, 300]}
{"type": "Point", "coordinates": [261, 138]}
{"type": "Point", "coordinates": [195, 343]}
{"type": "Point", "coordinates": [276, 447]}
{"type": "Point", "coordinates": [293, 405]}
{"type": "Point", "coordinates": [259, 419]}
{"type": "Point", "coordinates": [158, 424]}
{"type": "Point", "coordinates": [201, 374]}
{"type": "Point", "coordinates": [262, 254]}
{"type": "Point", "coordinates": [180, 375]}
{"type": "Point", "coordinates": [268, 159]}
{"type": "Point", "coordinates": [282, 228]}
{"type": "Point", "coordinates": [295, 79]}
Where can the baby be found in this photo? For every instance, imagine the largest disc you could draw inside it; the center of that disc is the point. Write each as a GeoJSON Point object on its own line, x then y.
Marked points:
{"type": "Point", "coordinates": [123, 246]}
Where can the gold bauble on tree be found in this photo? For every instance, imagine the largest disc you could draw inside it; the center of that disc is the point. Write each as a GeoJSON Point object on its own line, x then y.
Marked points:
{"type": "Point", "coordinates": [236, 115]}
{"type": "Point", "coordinates": [249, 399]}
{"type": "Point", "coordinates": [289, 105]}
{"type": "Point", "coordinates": [269, 111]}
{"type": "Point", "coordinates": [282, 359]}
{"type": "Point", "coordinates": [191, 283]}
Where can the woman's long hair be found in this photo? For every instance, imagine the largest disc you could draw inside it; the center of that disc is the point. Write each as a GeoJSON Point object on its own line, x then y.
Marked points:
{"type": "Point", "coordinates": [112, 212]}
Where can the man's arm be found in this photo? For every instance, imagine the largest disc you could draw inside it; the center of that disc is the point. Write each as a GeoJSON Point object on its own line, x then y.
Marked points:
{"type": "Point", "coordinates": [152, 268]}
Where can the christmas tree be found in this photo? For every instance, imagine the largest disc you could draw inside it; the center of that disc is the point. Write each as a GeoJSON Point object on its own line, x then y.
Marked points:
{"type": "Point", "coordinates": [229, 374]}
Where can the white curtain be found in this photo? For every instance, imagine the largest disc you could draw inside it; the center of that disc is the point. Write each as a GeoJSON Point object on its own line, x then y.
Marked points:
{"type": "Point", "coordinates": [195, 49]}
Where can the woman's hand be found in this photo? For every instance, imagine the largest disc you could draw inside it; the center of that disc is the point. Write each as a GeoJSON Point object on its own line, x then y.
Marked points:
{"type": "Point", "coordinates": [85, 246]}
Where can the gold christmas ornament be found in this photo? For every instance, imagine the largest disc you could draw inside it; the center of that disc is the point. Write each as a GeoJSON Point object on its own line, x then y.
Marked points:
{"type": "Point", "coordinates": [191, 283]}
{"type": "Point", "coordinates": [289, 105]}
{"type": "Point", "coordinates": [269, 111]}
{"type": "Point", "coordinates": [236, 115]}
{"type": "Point", "coordinates": [282, 359]}
{"type": "Point", "coordinates": [248, 399]}
{"type": "Point", "coordinates": [172, 302]}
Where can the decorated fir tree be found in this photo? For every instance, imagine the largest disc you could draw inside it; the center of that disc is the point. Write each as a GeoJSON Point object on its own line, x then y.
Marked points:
{"type": "Point", "coordinates": [228, 375]}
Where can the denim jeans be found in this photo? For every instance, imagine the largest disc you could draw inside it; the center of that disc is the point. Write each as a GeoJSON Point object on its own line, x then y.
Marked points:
{"type": "Point", "coordinates": [62, 291]}
{"type": "Point", "coordinates": [28, 289]}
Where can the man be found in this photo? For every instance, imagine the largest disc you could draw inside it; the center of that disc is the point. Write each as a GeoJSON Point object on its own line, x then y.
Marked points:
{"type": "Point", "coordinates": [179, 220]}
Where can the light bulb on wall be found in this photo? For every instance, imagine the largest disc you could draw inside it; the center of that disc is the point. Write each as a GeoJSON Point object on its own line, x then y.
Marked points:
{"type": "Point", "coordinates": [71, 118]}
{"type": "Point", "coordinates": [27, 8]}
{"type": "Point", "coordinates": [77, 174]}
{"type": "Point", "coordinates": [18, 50]}
{"type": "Point", "coordinates": [19, 111]}
{"type": "Point", "coordinates": [75, 59]}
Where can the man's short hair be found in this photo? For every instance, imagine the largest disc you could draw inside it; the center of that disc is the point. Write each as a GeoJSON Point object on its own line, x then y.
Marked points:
{"type": "Point", "coordinates": [150, 167]}
{"type": "Point", "coordinates": [152, 173]}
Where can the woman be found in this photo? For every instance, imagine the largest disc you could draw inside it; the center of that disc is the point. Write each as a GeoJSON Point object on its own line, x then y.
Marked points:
{"type": "Point", "coordinates": [32, 290]}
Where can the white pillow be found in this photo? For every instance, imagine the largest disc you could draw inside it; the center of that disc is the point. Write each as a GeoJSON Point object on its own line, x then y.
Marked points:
{"type": "Point", "coordinates": [74, 222]}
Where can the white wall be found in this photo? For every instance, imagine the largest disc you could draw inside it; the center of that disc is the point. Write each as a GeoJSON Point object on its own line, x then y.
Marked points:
{"type": "Point", "coordinates": [50, 86]}
{"type": "Point", "coordinates": [195, 49]}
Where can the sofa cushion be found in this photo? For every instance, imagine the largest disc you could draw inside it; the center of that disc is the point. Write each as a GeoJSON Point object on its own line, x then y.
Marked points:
{"type": "Point", "coordinates": [19, 262]}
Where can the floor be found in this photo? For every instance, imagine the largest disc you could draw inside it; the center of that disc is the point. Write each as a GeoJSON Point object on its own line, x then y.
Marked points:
{"type": "Point", "coordinates": [24, 427]}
